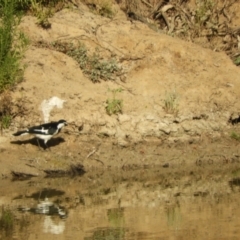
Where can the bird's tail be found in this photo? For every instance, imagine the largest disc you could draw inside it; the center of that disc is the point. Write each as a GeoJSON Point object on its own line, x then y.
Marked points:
{"type": "Point", "coordinates": [19, 133]}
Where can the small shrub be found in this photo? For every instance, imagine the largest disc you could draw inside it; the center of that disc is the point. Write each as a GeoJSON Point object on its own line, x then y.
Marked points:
{"type": "Point", "coordinates": [204, 11]}
{"type": "Point", "coordinates": [113, 105]}
{"type": "Point", "coordinates": [12, 46]}
{"type": "Point", "coordinates": [92, 65]}
{"type": "Point", "coordinates": [9, 110]}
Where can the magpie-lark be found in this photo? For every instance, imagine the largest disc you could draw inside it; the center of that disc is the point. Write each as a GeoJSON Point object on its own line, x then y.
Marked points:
{"type": "Point", "coordinates": [45, 131]}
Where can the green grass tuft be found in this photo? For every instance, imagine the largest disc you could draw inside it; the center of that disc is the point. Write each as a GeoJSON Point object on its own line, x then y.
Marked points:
{"type": "Point", "coordinates": [113, 105]}
{"type": "Point", "coordinates": [235, 136]}
{"type": "Point", "coordinates": [171, 103]}
{"type": "Point", "coordinates": [12, 45]}
{"type": "Point", "coordinates": [6, 219]}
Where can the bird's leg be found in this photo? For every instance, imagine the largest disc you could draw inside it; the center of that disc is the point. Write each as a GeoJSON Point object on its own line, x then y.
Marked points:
{"type": "Point", "coordinates": [38, 144]}
{"type": "Point", "coordinates": [46, 146]}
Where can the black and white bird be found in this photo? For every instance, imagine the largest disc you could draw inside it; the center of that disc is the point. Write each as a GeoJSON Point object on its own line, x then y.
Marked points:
{"type": "Point", "coordinates": [45, 131]}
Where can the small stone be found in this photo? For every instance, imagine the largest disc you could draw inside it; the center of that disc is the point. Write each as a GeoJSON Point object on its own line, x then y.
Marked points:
{"type": "Point", "coordinates": [106, 131]}
{"type": "Point", "coordinates": [121, 142]}
{"type": "Point", "coordinates": [186, 127]}
{"type": "Point", "coordinates": [166, 165]}
{"type": "Point", "coordinates": [123, 118]}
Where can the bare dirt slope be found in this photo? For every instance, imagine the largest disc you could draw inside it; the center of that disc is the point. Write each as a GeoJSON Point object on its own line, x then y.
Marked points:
{"type": "Point", "coordinates": [174, 91]}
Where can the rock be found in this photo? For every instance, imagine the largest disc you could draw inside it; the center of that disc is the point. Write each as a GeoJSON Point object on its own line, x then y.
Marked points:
{"type": "Point", "coordinates": [106, 131]}
{"type": "Point", "coordinates": [122, 142]}
{"type": "Point", "coordinates": [163, 127]}
{"type": "Point", "coordinates": [127, 127]}
{"type": "Point", "coordinates": [186, 126]}
{"type": "Point", "coordinates": [147, 128]}
{"type": "Point", "coordinates": [122, 118]}
{"type": "Point", "coordinates": [135, 137]}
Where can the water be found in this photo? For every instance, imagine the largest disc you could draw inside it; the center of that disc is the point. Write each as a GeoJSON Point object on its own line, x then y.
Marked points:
{"type": "Point", "coordinates": [198, 203]}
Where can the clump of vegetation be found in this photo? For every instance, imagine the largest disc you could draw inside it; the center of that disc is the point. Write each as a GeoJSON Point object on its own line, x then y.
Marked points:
{"type": "Point", "coordinates": [237, 61]}
{"type": "Point", "coordinates": [171, 103]}
{"type": "Point", "coordinates": [42, 14]}
{"type": "Point", "coordinates": [45, 9]}
{"type": "Point", "coordinates": [9, 110]}
{"type": "Point", "coordinates": [203, 11]}
{"type": "Point", "coordinates": [12, 46]}
{"type": "Point", "coordinates": [42, 9]}
{"type": "Point", "coordinates": [9, 223]}
{"type": "Point", "coordinates": [208, 23]}
{"type": "Point", "coordinates": [235, 136]}
{"type": "Point", "coordinates": [92, 65]}
{"type": "Point", "coordinates": [6, 220]}
{"type": "Point", "coordinates": [101, 7]}
{"type": "Point", "coordinates": [5, 110]}
{"type": "Point", "coordinates": [114, 105]}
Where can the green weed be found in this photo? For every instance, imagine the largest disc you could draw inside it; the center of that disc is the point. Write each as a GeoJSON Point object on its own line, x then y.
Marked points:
{"type": "Point", "coordinates": [6, 219]}
{"type": "Point", "coordinates": [92, 65]}
{"type": "Point", "coordinates": [29, 5]}
{"type": "Point", "coordinates": [42, 9]}
{"type": "Point", "coordinates": [9, 223]}
{"type": "Point", "coordinates": [237, 61]}
{"type": "Point", "coordinates": [42, 14]}
{"type": "Point", "coordinates": [6, 121]}
{"type": "Point", "coordinates": [236, 173]}
{"type": "Point", "coordinates": [101, 7]}
{"type": "Point", "coordinates": [113, 105]}
{"type": "Point", "coordinates": [9, 110]}
{"type": "Point", "coordinates": [171, 103]}
{"type": "Point", "coordinates": [204, 11]}
{"type": "Point", "coordinates": [106, 10]}
{"type": "Point", "coordinates": [5, 110]}
{"type": "Point", "coordinates": [235, 136]}
{"type": "Point", "coordinates": [116, 217]}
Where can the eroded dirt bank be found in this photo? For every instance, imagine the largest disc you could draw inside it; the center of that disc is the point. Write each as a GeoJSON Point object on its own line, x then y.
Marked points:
{"type": "Point", "coordinates": [179, 99]}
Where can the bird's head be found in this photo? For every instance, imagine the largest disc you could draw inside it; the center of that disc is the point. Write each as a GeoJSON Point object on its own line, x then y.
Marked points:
{"type": "Point", "coordinates": [62, 123]}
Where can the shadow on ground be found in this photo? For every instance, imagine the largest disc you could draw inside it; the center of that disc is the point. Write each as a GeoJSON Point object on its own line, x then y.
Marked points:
{"type": "Point", "coordinates": [34, 141]}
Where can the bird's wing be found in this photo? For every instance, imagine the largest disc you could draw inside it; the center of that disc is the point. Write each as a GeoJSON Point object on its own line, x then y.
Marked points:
{"type": "Point", "coordinates": [53, 130]}
{"type": "Point", "coordinates": [44, 129]}
{"type": "Point", "coordinates": [36, 130]}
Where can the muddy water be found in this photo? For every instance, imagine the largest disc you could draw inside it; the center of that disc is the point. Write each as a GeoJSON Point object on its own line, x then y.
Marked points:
{"type": "Point", "coordinates": [182, 202]}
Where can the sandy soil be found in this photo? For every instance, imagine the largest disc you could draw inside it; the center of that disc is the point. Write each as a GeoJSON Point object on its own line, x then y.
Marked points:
{"type": "Point", "coordinates": [154, 66]}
